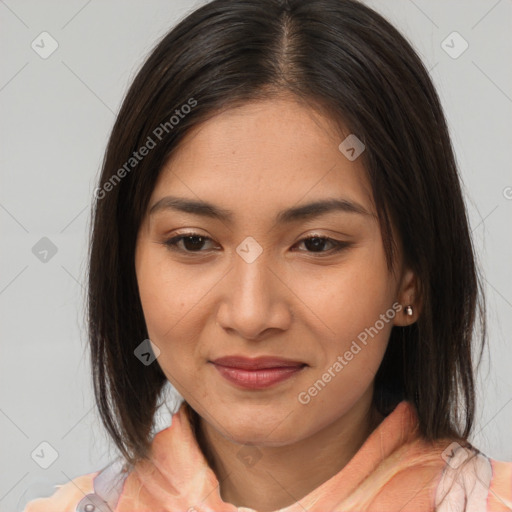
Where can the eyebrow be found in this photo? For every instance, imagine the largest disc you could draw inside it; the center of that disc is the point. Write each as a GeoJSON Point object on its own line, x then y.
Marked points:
{"type": "Point", "coordinates": [294, 214]}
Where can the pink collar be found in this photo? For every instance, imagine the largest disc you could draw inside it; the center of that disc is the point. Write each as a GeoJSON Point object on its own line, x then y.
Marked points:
{"type": "Point", "coordinates": [179, 477]}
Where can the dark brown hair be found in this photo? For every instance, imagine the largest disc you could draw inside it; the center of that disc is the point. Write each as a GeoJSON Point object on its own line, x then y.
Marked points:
{"type": "Point", "coordinates": [345, 60]}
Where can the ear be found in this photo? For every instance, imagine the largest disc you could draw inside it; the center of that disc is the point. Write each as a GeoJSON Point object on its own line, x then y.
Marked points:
{"type": "Point", "coordinates": [408, 295]}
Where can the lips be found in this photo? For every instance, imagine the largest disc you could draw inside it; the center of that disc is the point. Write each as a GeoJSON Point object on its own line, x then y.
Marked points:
{"type": "Point", "coordinates": [258, 363]}
{"type": "Point", "coordinates": [256, 373]}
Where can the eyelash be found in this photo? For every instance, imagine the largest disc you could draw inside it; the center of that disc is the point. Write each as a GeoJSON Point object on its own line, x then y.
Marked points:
{"type": "Point", "coordinates": [172, 243]}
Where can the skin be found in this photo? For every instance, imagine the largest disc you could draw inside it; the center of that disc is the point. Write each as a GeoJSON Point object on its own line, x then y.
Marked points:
{"type": "Point", "coordinates": [294, 301]}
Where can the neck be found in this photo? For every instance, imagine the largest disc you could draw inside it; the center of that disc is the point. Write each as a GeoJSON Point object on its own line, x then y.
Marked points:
{"type": "Point", "coordinates": [285, 474]}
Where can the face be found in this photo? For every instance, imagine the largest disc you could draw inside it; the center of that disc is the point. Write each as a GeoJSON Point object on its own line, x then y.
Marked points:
{"type": "Point", "coordinates": [308, 287]}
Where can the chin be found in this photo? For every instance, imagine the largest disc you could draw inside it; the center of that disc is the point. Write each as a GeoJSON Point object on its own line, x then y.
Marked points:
{"type": "Point", "coordinates": [257, 430]}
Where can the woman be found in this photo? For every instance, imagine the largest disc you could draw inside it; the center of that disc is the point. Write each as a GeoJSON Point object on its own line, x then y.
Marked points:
{"type": "Point", "coordinates": [280, 213]}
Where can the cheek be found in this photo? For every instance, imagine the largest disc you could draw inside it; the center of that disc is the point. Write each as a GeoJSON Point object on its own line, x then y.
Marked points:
{"type": "Point", "coordinates": [351, 352]}
{"type": "Point", "coordinates": [169, 294]}
{"type": "Point", "coordinates": [175, 305]}
{"type": "Point", "coordinates": [165, 315]}
{"type": "Point", "coordinates": [162, 304]}
{"type": "Point", "coordinates": [350, 297]}
{"type": "Point", "coordinates": [352, 322]}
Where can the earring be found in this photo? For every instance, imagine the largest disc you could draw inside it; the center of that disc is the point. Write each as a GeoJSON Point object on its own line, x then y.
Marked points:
{"type": "Point", "coordinates": [408, 310]}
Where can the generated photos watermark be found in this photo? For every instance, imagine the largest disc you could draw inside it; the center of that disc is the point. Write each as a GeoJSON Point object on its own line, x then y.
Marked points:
{"type": "Point", "coordinates": [151, 142]}
{"type": "Point", "coordinates": [304, 397]}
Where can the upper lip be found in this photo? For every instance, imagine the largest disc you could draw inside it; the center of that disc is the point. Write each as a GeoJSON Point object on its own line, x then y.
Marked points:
{"type": "Point", "coordinates": [256, 363]}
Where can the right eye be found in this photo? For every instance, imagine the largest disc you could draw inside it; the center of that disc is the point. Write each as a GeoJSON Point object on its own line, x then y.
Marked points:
{"type": "Point", "coordinates": [192, 243]}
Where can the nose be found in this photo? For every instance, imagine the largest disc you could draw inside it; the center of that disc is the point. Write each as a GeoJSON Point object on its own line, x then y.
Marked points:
{"type": "Point", "coordinates": [255, 302]}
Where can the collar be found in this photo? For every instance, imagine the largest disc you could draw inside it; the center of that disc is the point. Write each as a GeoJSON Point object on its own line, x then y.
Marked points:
{"type": "Point", "coordinates": [178, 476]}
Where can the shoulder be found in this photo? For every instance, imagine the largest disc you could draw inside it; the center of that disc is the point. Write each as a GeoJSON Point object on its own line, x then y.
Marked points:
{"type": "Point", "coordinates": [473, 481]}
{"type": "Point", "coordinates": [500, 490]}
{"type": "Point", "coordinates": [446, 477]}
{"type": "Point", "coordinates": [66, 497]}
{"type": "Point", "coordinates": [93, 492]}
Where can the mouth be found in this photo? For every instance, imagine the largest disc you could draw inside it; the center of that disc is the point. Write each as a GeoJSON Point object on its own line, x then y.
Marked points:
{"type": "Point", "coordinates": [256, 373]}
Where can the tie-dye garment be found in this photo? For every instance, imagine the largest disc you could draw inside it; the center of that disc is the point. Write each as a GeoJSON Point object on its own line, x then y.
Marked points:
{"type": "Point", "coordinates": [395, 470]}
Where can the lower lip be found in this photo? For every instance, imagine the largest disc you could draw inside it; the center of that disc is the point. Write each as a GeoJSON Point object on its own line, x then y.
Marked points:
{"type": "Point", "coordinates": [257, 379]}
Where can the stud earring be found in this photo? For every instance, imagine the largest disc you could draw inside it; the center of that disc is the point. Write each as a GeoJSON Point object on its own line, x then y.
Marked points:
{"type": "Point", "coordinates": [408, 310]}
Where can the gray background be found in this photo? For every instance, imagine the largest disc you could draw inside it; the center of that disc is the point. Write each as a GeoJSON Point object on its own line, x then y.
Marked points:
{"type": "Point", "coordinates": [56, 114]}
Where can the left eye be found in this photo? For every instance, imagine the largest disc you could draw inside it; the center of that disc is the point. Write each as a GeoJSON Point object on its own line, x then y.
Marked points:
{"type": "Point", "coordinates": [316, 243]}
{"type": "Point", "coordinates": [194, 243]}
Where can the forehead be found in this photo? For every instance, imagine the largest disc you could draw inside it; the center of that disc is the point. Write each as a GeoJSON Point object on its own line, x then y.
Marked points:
{"type": "Point", "coordinates": [264, 156]}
